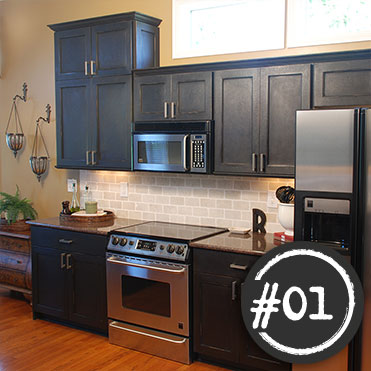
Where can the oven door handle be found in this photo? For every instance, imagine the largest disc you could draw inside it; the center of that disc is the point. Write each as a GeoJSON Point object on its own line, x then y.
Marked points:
{"type": "Point", "coordinates": [112, 260]}
{"type": "Point", "coordinates": [113, 324]}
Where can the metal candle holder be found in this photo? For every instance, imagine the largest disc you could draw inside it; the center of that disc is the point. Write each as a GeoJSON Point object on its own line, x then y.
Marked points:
{"type": "Point", "coordinates": [39, 164]}
{"type": "Point", "coordinates": [15, 140]}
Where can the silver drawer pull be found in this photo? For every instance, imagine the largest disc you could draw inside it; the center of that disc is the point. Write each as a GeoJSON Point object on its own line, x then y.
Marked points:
{"type": "Point", "coordinates": [172, 110]}
{"type": "Point", "coordinates": [166, 115]}
{"type": "Point", "coordinates": [66, 242]}
{"type": "Point", "coordinates": [254, 160]}
{"type": "Point", "coordinates": [113, 324]}
{"type": "Point", "coordinates": [262, 162]}
{"type": "Point", "coordinates": [239, 267]}
{"type": "Point", "coordinates": [62, 260]}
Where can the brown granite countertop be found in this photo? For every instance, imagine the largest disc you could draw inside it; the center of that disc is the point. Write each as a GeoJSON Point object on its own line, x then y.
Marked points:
{"type": "Point", "coordinates": [251, 243]}
{"type": "Point", "coordinates": [101, 228]}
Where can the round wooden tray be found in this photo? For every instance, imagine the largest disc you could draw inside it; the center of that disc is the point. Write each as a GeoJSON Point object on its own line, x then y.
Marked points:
{"type": "Point", "coordinates": [96, 219]}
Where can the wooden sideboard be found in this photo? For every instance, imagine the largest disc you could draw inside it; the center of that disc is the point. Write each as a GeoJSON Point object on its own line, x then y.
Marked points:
{"type": "Point", "coordinates": [15, 262]}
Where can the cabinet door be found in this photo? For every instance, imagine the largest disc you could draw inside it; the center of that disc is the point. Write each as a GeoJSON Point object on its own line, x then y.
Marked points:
{"type": "Point", "coordinates": [87, 290]}
{"type": "Point", "coordinates": [72, 100]}
{"type": "Point", "coordinates": [236, 114]}
{"type": "Point", "coordinates": [111, 122]}
{"type": "Point", "coordinates": [150, 95]}
{"type": "Point", "coordinates": [72, 53]}
{"type": "Point", "coordinates": [284, 90]}
{"type": "Point", "coordinates": [112, 49]}
{"type": "Point", "coordinates": [147, 46]}
{"type": "Point", "coordinates": [48, 282]}
{"type": "Point", "coordinates": [215, 314]}
{"type": "Point", "coordinates": [346, 83]}
{"type": "Point", "coordinates": [191, 96]}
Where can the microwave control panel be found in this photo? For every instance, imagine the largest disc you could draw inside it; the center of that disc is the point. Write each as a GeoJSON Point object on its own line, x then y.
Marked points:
{"type": "Point", "coordinates": [198, 153]}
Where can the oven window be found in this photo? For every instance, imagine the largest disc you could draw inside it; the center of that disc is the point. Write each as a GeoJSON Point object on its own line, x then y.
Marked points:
{"type": "Point", "coordinates": [160, 152]}
{"type": "Point", "coordinates": [146, 295]}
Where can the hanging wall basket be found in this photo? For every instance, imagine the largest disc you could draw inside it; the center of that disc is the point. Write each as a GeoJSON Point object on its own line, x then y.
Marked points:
{"type": "Point", "coordinates": [15, 139]}
{"type": "Point", "coordinates": [38, 163]}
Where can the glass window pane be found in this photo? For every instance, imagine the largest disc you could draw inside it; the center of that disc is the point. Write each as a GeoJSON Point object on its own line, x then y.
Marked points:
{"type": "Point", "coordinates": [204, 27]}
{"type": "Point", "coordinates": [160, 152]}
{"type": "Point", "coordinates": [146, 295]}
{"type": "Point", "coordinates": [315, 22]}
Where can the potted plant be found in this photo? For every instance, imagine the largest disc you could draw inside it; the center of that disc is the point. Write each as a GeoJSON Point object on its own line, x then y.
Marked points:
{"type": "Point", "coordinates": [14, 209]}
{"type": "Point", "coordinates": [286, 197]}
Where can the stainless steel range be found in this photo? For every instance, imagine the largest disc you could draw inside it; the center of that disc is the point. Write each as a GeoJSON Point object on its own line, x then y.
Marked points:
{"type": "Point", "coordinates": [148, 268]}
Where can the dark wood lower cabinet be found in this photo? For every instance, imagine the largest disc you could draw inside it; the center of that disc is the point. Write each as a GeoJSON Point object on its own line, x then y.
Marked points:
{"type": "Point", "coordinates": [220, 334]}
{"type": "Point", "coordinates": [69, 285]}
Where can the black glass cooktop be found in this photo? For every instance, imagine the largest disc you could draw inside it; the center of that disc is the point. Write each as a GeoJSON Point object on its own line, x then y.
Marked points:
{"type": "Point", "coordinates": [162, 230]}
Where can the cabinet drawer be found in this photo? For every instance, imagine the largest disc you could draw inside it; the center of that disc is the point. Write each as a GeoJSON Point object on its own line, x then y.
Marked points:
{"type": "Point", "coordinates": [12, 277]}
{"type": "Point", "coordinates": [15, 244]}
{"type": "Point", "coordinates": [222, 263]}
{"type": "Point", "coordinates": [13, 260]}
{"type": "Point", "coordinates": [85, 243]}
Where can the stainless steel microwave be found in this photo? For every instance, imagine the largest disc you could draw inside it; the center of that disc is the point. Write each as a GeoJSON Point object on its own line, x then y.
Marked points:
{"type": "Point", "coordinates": [174, 147]}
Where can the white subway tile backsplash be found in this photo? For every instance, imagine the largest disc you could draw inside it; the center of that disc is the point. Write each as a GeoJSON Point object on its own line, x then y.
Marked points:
{"type": "Point", "coordinates": [223, 201]}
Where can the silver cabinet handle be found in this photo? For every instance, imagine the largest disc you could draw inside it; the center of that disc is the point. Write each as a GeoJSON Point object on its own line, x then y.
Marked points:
{"type": "Point", "coordinates": [62, 260]}
{"type": "Point", "coordinates": [185, 167]}
{"type": "Point", "coordinates": [93, 159]}
{"type": "Point", "coordinates": [166, 110]}
{"type": "Point", "coordinates": [115, 325]}
{"type": "Point", "coordinates": [69, 266]}
{"type": "Point", "coordinates": [87, 158]}
{"type": "Point", "coordinates": [92, 69]}
{"type": "Point", "coordinates": [262, 162]}
{"type": "Point", "coordinates": [239, 267]}
{"type": "Point", "coordinates": [172, 110]}
{"type": "Point", "coordinates": [66, 242]}
{"type": "Point", "coordinates": [254, 160]}
{"type": "Point", "coordinates": [86, 68]}
{"type": "Point", "coordinates": [112, 260]}
{"type": "Point", "coordinates": [234, 290]}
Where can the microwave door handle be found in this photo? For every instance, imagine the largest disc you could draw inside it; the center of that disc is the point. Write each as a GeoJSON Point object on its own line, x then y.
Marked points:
{"type": "Point", "coordinates": [113, 260]}
{"type": "Point", "coordinates": [185, 152]}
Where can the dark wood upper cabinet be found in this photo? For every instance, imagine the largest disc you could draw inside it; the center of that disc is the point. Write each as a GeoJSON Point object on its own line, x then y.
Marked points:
{"type": "Point", "coordinates": [254, 112]}
{"type": "Point", "coordinates": [111, 49]}
{"type": "Point", "coordinates": [94, 59]}
{"type": "Point", "coordinates": [344, 83]}
{"type": "Point", "coordinates": [180, 96]}
{"type": "Point", "coordinates": [72, 53]}
{"type": "Point", "coordinates": [236, 115]}
{"type": "Point", "coordinates": [105, 46]}
{"type": "Point", "coordinates": [284, 90]}
{"type": "Point", "coordinates": [72, 108]}
{"type": "Point", "coordinates": [111, 122]}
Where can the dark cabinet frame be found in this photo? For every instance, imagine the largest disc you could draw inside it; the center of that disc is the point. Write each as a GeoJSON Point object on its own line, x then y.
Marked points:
{"type": "Point", "coordinates": [173, 97]}
{"type": "Point", "coordinates": [69, 277]}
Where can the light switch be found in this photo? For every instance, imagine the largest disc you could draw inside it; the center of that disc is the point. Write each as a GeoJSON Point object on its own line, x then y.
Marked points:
{"type": "Point", "coordinates": [272, 201]}
{"type": "Point", "coordinates": [124, 189]}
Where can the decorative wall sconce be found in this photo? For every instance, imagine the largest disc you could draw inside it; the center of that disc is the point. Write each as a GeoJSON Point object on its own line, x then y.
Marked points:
{"type": "Point", "coordinates": [15, 139]}
{"type": "Point", "coordinates": [38, 163]}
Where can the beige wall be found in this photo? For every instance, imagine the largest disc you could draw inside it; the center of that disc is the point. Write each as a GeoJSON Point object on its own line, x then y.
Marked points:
{"type": "Point", "coordinates": [28, 56]}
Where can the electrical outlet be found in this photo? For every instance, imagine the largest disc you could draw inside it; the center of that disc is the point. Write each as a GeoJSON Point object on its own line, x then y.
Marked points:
{"type": "Point", "coordinates": [272, 201]}
{"type": "Point", "coordinates": [124, 189]}
{"type": "Point", "coordinates": [70, 183]}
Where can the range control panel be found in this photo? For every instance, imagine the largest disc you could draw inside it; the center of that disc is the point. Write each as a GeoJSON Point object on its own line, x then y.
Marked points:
{"type": "Point", "coordinates": [199, 150]}
{"type": "Point", "coordinates": [148, 247]}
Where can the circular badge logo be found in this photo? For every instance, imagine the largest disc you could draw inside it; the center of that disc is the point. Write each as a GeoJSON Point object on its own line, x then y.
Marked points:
{"type": "Point", "coordinates": [302, 302]}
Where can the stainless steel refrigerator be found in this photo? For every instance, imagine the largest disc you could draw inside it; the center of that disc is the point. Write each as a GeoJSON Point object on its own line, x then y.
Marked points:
{"type": "Point", "coordinates": [333, 198]}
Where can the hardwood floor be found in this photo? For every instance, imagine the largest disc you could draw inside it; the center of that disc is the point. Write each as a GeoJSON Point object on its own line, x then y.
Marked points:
{"type": "Point", "coordinates": [26, 344]}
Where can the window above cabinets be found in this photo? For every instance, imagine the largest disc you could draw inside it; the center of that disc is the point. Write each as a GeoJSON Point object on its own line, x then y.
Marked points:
{"type": "Point", "coordinates": [210, 27]}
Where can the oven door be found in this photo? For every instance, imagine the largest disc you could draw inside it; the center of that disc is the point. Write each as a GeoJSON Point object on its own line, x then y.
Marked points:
{"type": "Point", "coordinates": [148, 293]}
{"type": "Point", "coordinates": [161, 152]}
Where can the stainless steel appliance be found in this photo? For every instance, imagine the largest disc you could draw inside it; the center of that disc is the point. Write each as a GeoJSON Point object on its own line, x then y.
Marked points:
{"type": "Point", "coordinates": [333, 198]}
{"type": "Point", "coordinates": [148, 287]}
{"type": "Point", "coordinates": [174, 147]}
